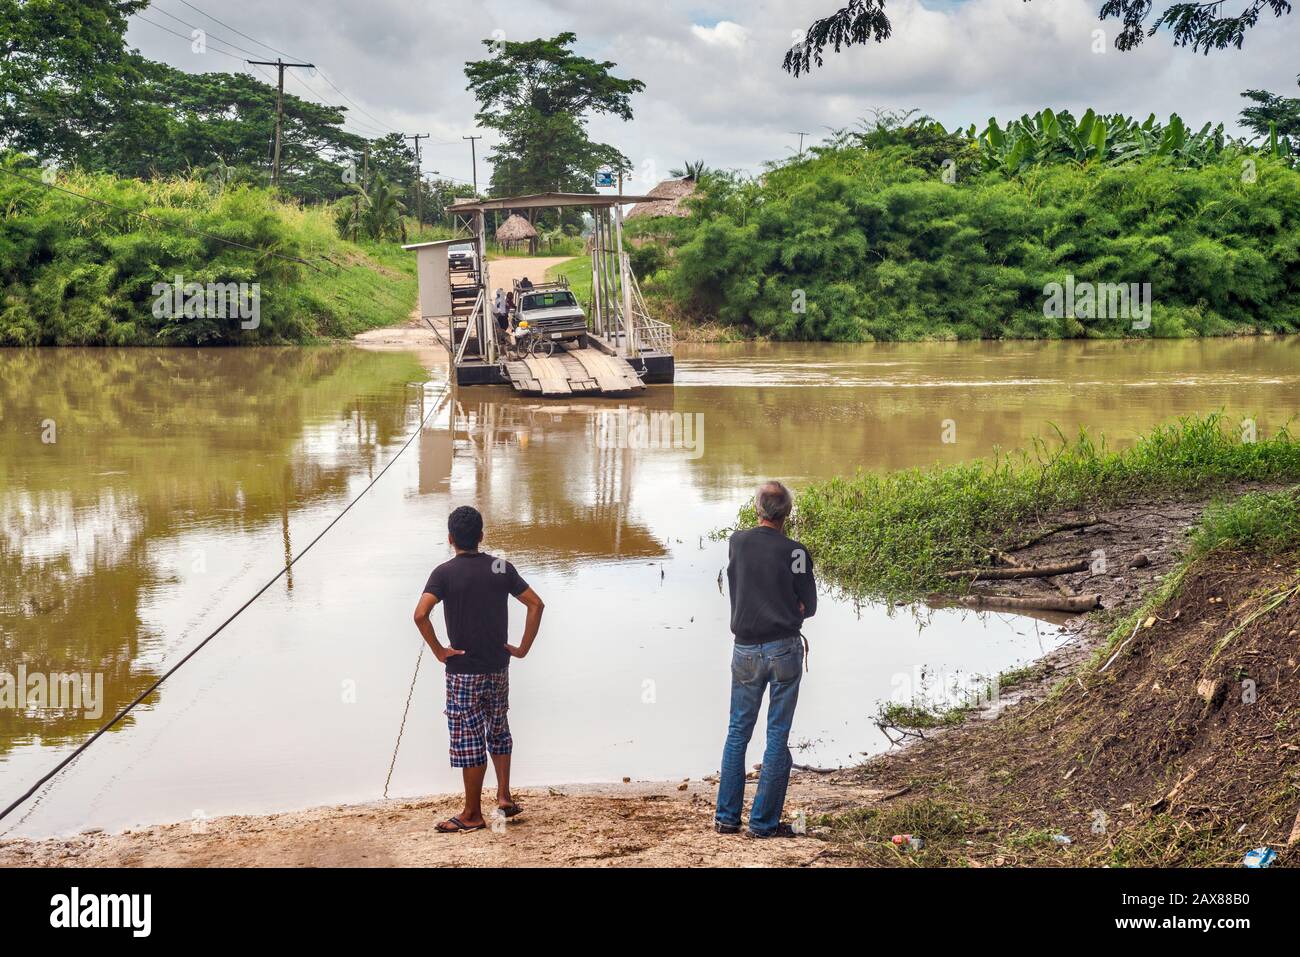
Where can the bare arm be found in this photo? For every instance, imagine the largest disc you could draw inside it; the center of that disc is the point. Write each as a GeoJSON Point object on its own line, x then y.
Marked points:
{"type": "Point", "coordinates": [422, 622]}
{"type": "Point", "coordinates": [535, 606]}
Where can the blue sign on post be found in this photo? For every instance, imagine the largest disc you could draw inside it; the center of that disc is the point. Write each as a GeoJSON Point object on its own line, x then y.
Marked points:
{"type": "Point", "coordinates": [604, 178]}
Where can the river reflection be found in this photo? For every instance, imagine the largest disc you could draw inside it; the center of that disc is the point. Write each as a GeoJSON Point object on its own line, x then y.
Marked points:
{"type": "Point", "coordinates": [179, 480]}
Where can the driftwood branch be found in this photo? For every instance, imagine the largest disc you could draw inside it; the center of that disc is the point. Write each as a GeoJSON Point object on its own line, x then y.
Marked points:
{"type": "Point", "coordinates": [1036, 603]}
{"type": "Point", "coordinates": [1019, 571]}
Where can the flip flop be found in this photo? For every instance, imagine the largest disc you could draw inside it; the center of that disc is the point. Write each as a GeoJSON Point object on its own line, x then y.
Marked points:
{"type": "Point", "coordinates": [511, 810]}
{"type": "Point", "coordinates": [456, 825]}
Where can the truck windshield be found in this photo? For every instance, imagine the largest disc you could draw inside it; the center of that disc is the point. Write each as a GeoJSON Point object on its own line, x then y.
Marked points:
{"type": "Point", "coordinates": [551, 299]}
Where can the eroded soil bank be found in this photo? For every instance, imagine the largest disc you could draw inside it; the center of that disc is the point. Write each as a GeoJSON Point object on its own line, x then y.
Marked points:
{"type": "Point", "coordinates": [1182, 768]}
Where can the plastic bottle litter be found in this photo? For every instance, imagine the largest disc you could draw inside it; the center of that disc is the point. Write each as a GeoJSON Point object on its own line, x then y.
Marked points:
{"type": "Point", "coordinates": [1259, 857]}
{"type": "Point", "coordinates": [1062, 839]}
{"type": "Point", "coordinates": [800, 823]}
{"type": "Point", "coordinates": [909, 841]}
{"type": "Point", "coordinates": [498, 821]}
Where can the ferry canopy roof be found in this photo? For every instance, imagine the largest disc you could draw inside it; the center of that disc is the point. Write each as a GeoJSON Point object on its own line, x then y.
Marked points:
{"type": "Point", "coordinates": [539, 200]}
{"type": "Point", "coordinates": [463, 241]}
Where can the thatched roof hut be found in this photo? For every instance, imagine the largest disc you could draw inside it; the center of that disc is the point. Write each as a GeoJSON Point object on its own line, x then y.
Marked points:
{"type": "Point", "coordinates": [670, 195]}
{"type": "Point", "coordinates": [516, 230]}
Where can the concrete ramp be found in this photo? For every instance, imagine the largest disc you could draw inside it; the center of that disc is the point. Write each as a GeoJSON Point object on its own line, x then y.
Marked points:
{"type": "Point", "coordinates": [574, 372]}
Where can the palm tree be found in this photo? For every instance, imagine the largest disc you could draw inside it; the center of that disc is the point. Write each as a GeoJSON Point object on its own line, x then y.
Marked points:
{"type": "Point", "coordinates": [375, 213]}
{"type": "Point", "coordinates": [691, 171]}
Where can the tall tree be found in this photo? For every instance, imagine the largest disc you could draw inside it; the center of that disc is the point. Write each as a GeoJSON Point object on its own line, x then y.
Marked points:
{"type": "Point", "coordinates": [71, 91]}
{"type": "Point", "coordinates": [1274, 113]}
{"type": "Point", "coordinates": [183, 121]}
{"type": "Point", "coordinates": [1202, 26]}
{"type": "Point", "coordinates": [65, 73]}
{"type": "Point", "coordinates": [538, 96]}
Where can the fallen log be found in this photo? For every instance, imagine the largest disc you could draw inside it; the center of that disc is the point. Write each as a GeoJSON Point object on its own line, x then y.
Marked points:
{"type": "Point", "coordinates": [1002, 558]}
{"type": "Point", "coordinates": [1019, 571]}
{"type": "Point", "coordinates": [1034, 603]}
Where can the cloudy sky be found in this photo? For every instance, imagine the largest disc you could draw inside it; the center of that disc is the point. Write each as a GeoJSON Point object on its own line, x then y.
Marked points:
{"type": "Point", "coordinates": [714, 85]}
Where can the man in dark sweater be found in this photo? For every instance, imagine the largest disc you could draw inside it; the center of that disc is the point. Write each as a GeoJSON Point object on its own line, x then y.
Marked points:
{"type": "Point", "coordinates": [772, 592]}
{"type": "Point", "coordinates": [474, 589]}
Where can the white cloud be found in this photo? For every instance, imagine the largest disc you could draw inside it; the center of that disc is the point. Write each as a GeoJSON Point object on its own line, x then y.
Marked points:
{"type": "Point", "coordinates": [722, 34]}
{"type": "Point", "coordinates": [718, 93]}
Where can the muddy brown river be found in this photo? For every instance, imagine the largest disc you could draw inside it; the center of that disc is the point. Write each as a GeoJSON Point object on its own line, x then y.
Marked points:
{"type": "Point", "coordinates": [146, 494]}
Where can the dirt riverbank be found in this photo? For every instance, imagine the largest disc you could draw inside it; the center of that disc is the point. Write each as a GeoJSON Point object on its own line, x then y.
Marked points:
{"type": "Point", "coordinates": [983, 793]}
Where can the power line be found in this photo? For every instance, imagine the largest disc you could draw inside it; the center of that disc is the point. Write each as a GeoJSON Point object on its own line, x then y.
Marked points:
{"type": "Point", "coordinates": [207, 34]}
{"type": "Point", "coordinates": [166, 29]}
{"type": "Point", "coordinates": [380, 123]}
{"type": "Point", "coordinates": [473, 155]}
{"type": "Point", "coordinates": [236, 30]}
{"type": "Point", "coordinates": [321, 74]}
{"type": "Point", "coordinates": [281, 66]}
{"type": "Point", "coordinates": [365, 129]}
{"type": "Point", "coordinates": [433, 407]}
{"type": "Point", "coordinates": [269, 79]}
{"type": "Point", "coordinates": [419, 179]}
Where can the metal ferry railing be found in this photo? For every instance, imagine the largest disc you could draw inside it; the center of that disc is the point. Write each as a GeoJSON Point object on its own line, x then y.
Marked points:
{"type": "Point", "coordinates": [648, 334]}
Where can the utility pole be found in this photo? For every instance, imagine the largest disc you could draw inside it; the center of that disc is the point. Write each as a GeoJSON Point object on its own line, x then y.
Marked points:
{"type": "Point", "coordinates": [280, 66]}
{"type": "Point", "coordinates": [356, 200]}
{"type": "Point", "coordinates": [473, 158]}
{"type": "Point", "coordinates": [801, 136]}
{"type": "Point", "coordinates": [419, 182]}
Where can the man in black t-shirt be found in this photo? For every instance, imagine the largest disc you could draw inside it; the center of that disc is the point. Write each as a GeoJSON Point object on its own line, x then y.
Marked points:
{"type": "Point", "coordinates": [473, 588]}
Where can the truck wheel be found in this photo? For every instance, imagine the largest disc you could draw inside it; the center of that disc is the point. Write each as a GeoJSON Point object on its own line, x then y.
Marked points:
{"type": "Point", "coordinates": [582, 341]}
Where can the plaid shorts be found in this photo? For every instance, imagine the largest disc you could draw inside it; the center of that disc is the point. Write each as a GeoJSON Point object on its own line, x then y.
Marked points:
{"type": "Point", "coordinates": [476, 717]}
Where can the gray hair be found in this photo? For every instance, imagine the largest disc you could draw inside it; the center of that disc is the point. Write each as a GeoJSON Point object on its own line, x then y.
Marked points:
{"type": "Point", "coordinates": [773, 501]}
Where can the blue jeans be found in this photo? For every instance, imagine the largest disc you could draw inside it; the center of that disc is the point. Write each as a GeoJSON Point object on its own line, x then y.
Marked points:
{"type": "Point", "coordinates": [753, 668]}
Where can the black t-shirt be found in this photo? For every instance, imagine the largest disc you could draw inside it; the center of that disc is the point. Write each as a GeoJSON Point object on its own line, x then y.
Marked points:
{"type": "Point", "coordinates": [769, 576]}
{"type": "Point", "coordinates": [473, 588]}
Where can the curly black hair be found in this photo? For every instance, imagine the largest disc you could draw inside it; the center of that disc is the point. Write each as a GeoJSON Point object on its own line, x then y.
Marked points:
{"type": "Point", "coordinates": [466, 527]}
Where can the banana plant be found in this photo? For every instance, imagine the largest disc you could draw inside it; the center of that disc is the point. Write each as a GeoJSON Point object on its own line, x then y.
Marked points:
{"type": "Point", "coordinates": [1049, 137]}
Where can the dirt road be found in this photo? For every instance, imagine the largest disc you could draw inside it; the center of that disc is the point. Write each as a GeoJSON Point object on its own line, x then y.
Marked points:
{"type": "Point", "coordinates": [415, 335]}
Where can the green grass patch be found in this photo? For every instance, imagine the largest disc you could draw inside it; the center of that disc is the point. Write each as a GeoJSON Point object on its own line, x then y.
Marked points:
{"type": "Point", "coordinates": [920, 717]}
{"type": "Point", "coordinates": [1168, 841]}
{"type": "Point", "coordinates": [578, 272]}
{"type": "Point", "coordinates": [892, 535]}
{"type": "Point", "coordinates": [1258, 521]}
{"type": "Point", "coordinates": [942, 825]}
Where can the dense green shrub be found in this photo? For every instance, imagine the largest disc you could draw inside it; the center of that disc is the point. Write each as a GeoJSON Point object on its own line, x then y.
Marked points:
{"type": "Point", "coordinates": [872, 246]}
{"type": "Point", "coordinates": [74, 272]}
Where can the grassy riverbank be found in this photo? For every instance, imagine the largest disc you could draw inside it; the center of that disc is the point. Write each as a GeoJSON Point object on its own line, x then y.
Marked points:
{"type": "Point", "coordinates": [1164, 731]}
{"type": "Point", "coordinates": [1169, 741]}
{"type": "Point", "coordinates": [79, 272]}
{"type": "Point", "coordinates": [894, 535]}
